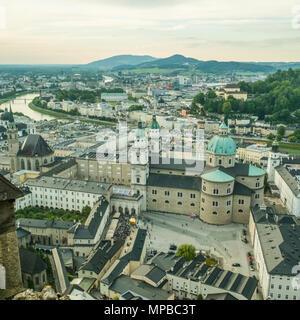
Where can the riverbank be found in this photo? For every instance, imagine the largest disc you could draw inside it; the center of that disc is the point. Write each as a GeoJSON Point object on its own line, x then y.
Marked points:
{"type": "Point", "coordinates": [64, 116]}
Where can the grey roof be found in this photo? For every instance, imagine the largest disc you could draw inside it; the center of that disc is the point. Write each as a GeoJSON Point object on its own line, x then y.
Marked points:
{"type": "Point", "coordinates": [21, 233]}
{"type": "Point", "coordinates": [31, 262]}
{"type": "Point", "coordinates": [37, 223]}
{"type": "Point", "coordinates": [156, 274]}
{"type": "Point", "coordinates": [168, 262]}
{"type": "Point", "coordinates": [240, 189]}
{"type": "Point", "coordinates": [279, 236]}
{"type": "Point", "coordinates": [101, 255]}
{"type": "Point", "coordinates": [69, 185]}
{"type": "Point", "coordinates": [89, 231]}
{"type": "Point", "coordinates": [288, 179]}
{"type": "Point", "coordinates": [138, 245]}
{"type": "Point", "coordinates": [124, 283]}
{"type": "Point", "coordinates": [60, 168]}
{"type": "Point", "coordinates": [220, 296]}
{"type": "Point", "coordinates": [174, 164]}
{"type": "Point", "coordinates": [34, 145]}
{"type": "Point", "coordinates": [174, 181]}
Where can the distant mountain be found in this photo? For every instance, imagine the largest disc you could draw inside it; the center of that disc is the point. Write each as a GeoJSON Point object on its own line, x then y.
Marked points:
{"type": "Point", "coordinates": [120, 60]}
{"type": "Point", "coordinates": [181, 62]}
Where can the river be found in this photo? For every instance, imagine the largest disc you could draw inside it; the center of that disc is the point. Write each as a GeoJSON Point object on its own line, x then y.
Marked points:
{"type": "Point", "coordinates": [20, 104]}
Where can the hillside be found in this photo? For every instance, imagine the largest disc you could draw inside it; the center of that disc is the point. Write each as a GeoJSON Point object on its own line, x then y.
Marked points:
{"type": "Point", "coordinates": [115, 61]}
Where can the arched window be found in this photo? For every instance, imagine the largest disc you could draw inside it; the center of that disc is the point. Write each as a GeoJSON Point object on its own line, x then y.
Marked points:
{"type": "Point", "coordinates": [215, 212]}
{"type": "Point", "coordinates": [154, 200]}
{"type": "Point", "coordinates": [167, 201]}
{"type": "Point", "coordinates": [179, 203]}
{"type": "Point", "coordinates": [192, 204]}
{"type": "Point", "coordinates": [228, 212]}
{"type": "Point", "coordinates": [22, 164]}
{"type": "Point", "coordinates": [45, 161]}
{"type": "Point", "coordinates": [240, 211]}
{"type": "Point", "coordinates": [37, 165]}
{"type": "Point", "coordinates": [28, 165]}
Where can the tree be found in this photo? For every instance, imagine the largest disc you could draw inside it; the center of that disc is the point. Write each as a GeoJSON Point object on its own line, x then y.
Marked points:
{"type": "Point", "coordinates": [86, 210]}
{"type": "Point", "coordinates": [279, 137]}
{"type": "Point", "coordinates": [200, 297]}
{"type": "Point", "coordinates": [226, 108]}
{"type": "Point", "coordinates": [186, 251]}
{"type": "Point", "coordinates": [292, 139]}
{"type": "Point", "coordinates": [271, 136]}
{"type": "Point", "coordinates": [281, 130]}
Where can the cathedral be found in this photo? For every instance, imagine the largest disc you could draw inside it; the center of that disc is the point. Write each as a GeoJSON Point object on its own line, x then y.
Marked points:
{"type": "Point", "coordinates": [33, 153]}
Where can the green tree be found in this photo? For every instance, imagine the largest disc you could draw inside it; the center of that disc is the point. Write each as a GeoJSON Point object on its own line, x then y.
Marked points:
{"type": "Point", "coordinates": [271, 136]}
{"type": "Point", "coordinates": [200, 297]}
{"type": "Point", "coordinates": [186, 251]}
{"type": "Point", "coordinates": [281, 130]}
{"type": "Point", "coordinates": [226, 108]}
{"type": "Point", "coordinates": [292, 139]}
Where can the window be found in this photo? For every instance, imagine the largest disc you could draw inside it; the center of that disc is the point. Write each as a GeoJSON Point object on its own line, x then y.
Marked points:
{"type": "Point", "coordinates": [257, 196]}
{"type": "Point", "coordinates": [241, 201]}
{"type": "Point", "coordinates": [154, 191]}
{"type": "Point", "coordinates": [257, 184]}
{"type": "Point", "coordinates": [215, 203]}
{"type": "Point", "coordinates": [193, 196]}
{"type": "Point", "coordinates": [240, 211]}
{"type": "Point", "coordinates": [228, 212]}
{"type": "Point", "coordinates": [167, 193]}
{"type": "Point", "coordinates": [137, 180]}
{"type": "Point", "coordinates": [210, 160]}
{"type": "Point", "coordinates": [229, 190]}
{"type": "Point", "coordinates": [192, 204]}
{"type": "Point", "coordinates": [228, 203]}
{"type": "Point", "coordinates": [167, 201]}
{"type": "Point", "coordinates": [154, 200]}
{"type": "Point", "coordinates": [287, 287]}
{"type": "Point", "coordinates": [279, 287]}
{"type": "Point", "coordinates": [216, 191]}
{"type": "Point", "coordinates": [179, 194]}
{"type": "Point", "coordinates": [204, 188]}
{"type": "Point", "coordinates": [229, 161]}
{"type": "Point", "coordinates": [179, 203]}
{"type": "Point", "coordinates": [272, 286]}
{"type": "Point", "coordinates": [214, 213]}
{"type": "Point", "coordinates": [203, 200]}
{"type": "Point", "coordinates": [220, 161]}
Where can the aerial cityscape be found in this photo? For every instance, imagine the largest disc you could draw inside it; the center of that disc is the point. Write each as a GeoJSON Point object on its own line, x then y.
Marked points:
{"type": "Point", "coordinates": [153, 158]}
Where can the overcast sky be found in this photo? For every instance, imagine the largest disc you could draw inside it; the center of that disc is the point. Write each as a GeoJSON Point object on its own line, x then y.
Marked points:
{"type": "Point", "coordinates": [81, 31]}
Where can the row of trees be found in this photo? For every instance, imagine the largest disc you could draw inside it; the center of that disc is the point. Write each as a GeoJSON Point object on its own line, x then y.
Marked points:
{"type": "Point", "coordinates": [277, 97]}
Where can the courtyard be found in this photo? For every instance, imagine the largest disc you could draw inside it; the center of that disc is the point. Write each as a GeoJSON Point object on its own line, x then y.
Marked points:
{"type": "Point", "coordinates": [224, 242]}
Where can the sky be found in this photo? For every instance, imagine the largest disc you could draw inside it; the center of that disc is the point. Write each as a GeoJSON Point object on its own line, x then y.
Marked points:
{"type": "Point", "coordinates": [82, 31]}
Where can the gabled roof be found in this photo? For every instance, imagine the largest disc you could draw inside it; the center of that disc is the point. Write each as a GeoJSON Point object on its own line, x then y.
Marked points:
{"type": "Point", "coordinates": [34, 145]}
{"type": "Point", "coordinates": [31, 262]}
{"type": "Point", "coordinates": [174, 181]}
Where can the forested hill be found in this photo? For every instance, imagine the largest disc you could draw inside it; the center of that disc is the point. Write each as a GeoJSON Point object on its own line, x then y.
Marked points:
{"type": "Point", "coordinates": [276, 98]}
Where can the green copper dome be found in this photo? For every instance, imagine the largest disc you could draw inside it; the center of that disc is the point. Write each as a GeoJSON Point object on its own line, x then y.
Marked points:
{"type": "Point", "coordinates": [221, 145]}
{"type": "Point", "coordinates": [154, 124]}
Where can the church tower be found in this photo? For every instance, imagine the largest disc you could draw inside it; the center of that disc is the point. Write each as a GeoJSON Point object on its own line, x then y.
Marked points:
{"type": "Point", "coordinates": [273, 160]}
{"type": "Point", "coordinates": [139, 159]}
{"type": "Point", "coordinates": [13, 143]}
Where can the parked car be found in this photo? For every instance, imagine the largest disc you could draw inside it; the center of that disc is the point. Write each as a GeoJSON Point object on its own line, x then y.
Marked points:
{"type": "Point", "coordinates": [236, 265]}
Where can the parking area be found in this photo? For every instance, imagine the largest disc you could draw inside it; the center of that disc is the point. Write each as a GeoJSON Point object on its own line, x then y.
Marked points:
{"type": "Point", "coordinates": [223, 241]}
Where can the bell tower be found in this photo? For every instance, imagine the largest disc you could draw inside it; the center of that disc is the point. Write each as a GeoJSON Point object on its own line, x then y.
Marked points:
{"type": "Point", "coordinates": [13, 143]}
{"type": "Point", "coordinates": [273, 160]}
